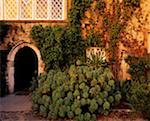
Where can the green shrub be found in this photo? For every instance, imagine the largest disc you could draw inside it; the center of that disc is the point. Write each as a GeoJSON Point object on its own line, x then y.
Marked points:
{"type": "Point", "coordinates": [139, 97]}
{"type": "Point", "coordinates": [73, 47]}
{"type": "Point", "coordinates": [139, 68]}
{"type": "Point", "coordinates": [75, 95]}
{"type": "Point", "coordinates": [139, 90]}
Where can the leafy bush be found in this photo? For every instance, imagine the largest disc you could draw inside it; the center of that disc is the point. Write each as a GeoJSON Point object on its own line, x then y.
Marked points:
{"type": "Point", "coordinates": [73, 47]}
{"type": "Point", "coordinates": [80, 93]}
{"type": "Point", "coordinates": [94, 40]}
{"type": "Point", "coordinates": [59, 47]}
{"type": "Point", "coordinates": [139, 68]}
{"type": "Point", "coordinates": [139, 97]}
{"type": "Point", "coordinates": [139, 92]}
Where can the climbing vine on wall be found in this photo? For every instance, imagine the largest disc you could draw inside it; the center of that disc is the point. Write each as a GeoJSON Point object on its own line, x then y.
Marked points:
{"type": "Point", "coordinates": [108, 20]}
{"type": "Point", "coordinates": [48, 41]}
{"type": "Point", "coordinates": [92, 23]}
{"type": "Point", "coordinates": [66, 48]}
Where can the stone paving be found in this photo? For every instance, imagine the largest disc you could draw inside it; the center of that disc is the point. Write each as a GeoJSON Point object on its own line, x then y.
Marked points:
{"type": "Point", "coordinates": [18, 108]}
{"type": "Point", "coordinates": [15, 103]}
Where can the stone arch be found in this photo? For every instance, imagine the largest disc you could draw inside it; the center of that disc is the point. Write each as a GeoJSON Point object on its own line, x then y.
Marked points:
{"type": "Point", "coordinates": [11, 59]}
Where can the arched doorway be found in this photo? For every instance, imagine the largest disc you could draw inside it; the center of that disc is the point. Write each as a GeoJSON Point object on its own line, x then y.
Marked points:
{"type": "Point", "coordinates": [25, 68]}
{"type": "Point", "coordinates": [23, 59]}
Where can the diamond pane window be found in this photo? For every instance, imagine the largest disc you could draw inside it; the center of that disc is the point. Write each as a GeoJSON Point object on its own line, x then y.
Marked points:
{"type": "Point", "coordinates": [33, 9]}
{"type": "Point", "coordinates": [26, 9]}
{"type": "Point", "coordinates": [56, 9]}
{"type": "Point", "coordinates": [10, 9]}
{"type": "Point", "coordinates": [41, 9]}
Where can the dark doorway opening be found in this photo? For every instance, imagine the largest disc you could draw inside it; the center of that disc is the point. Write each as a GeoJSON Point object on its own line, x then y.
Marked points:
{"type": "Point", "coordinates": [26, 67]}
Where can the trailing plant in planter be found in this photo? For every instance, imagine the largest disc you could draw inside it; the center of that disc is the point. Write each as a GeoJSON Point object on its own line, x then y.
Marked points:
{"type": "Point", "coordinates": [80, 93]}
{"type": "Point", "coordinates": [94, 40]}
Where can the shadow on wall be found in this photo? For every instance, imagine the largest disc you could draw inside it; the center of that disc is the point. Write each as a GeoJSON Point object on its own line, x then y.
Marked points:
{"type": "Point", "coordinates": [3, 66]}
{"type": "Point", "coordinates": [3, 31]}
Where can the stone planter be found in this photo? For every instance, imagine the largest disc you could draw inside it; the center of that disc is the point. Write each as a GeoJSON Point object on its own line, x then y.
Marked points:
{"type": "Point", "coordinates": [97, 51]}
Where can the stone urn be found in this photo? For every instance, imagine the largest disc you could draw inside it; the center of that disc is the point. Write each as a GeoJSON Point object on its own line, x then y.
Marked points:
{"type": "Point", "coordinates": [97, 51]}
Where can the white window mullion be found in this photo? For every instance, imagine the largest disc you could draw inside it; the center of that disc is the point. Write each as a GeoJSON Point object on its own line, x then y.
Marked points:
{"type": "Point", "coordinates": [4, 9]}
{"type": "Point", "coordinates": [64, 9]}
{"type": "Point", "coordinates": [33, 9]}
{"type": "Point", "coordinates": [49, 9]}
{"type": "Point", "coordinates": [63, 5]}
{"type": "Point", "coordinates": [18, 9]}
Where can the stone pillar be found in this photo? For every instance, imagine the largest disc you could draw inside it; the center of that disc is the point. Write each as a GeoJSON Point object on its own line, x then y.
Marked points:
{"type": "Point", "coordinates": [10, 80]}
{"type": "Point", "coordinates": [41, 67]}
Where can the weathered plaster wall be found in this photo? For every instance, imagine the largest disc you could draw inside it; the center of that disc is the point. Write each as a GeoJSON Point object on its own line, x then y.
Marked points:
{"type": "Point", "coordinates": [20, 31]}
{"type": "Point", "coordinates": [137, 39]}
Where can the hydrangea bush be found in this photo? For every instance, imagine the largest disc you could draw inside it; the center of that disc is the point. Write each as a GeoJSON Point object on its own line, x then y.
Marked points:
{"type": "Point", "coordinates": [80, 93]}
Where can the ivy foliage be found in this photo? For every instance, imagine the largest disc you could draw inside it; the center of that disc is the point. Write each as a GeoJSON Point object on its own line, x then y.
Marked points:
{"type": "Point", "coordinates": [73, 47]}
{"type": "Point", "coordinates": [77, 11]}
{"type": "Point", "coordinates": [80, 93]}
{"type": "Point", "coordinates": [48, 40]}
{"type": "Point", "coordinates": [62, 47]}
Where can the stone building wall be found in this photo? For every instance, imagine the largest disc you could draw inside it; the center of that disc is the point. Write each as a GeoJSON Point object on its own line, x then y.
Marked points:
{"type": "Point", "coordinates": [20, 31]}
{"type": "Point", "coordinates": [137, 39]}
{"type": "Point", "coordinates": [18, 36]}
